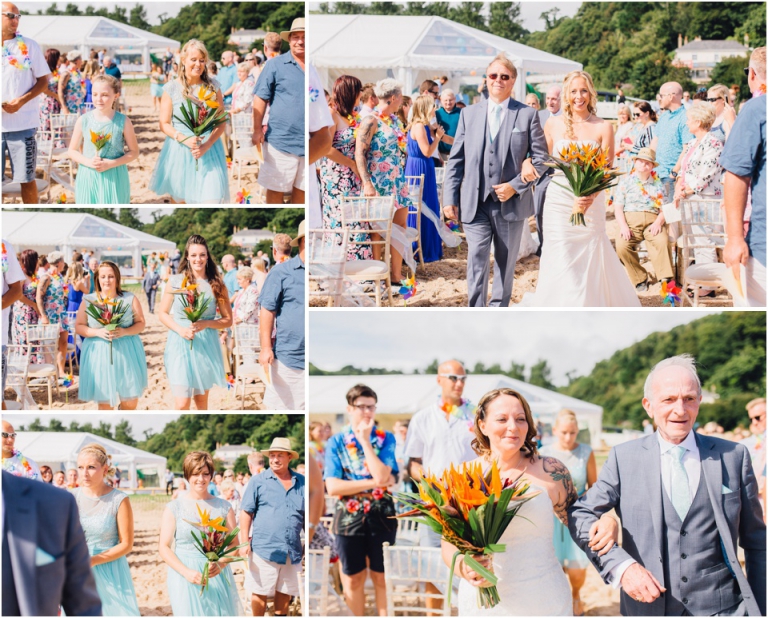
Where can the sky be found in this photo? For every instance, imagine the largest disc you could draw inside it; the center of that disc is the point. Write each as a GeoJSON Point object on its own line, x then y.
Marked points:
{"type": "Point", "coordinates": [153, 8]}
{"type": "Point", "coordinates": [411, 339]}
{"type": "Point", "coordinates": [139, 421]}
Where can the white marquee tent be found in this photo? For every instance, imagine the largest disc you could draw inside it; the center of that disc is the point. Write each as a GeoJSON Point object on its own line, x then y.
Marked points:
{"type": "Point", "coordinates": [414, 48]}
{"type": "Point", "coordinates": [129, 46]}
{"type": "Point", "coordinates": [66, 232]}
{"type": "Point", "coordinates": [407, 394]}
{"type": "Point", "coordinates": [59, 451]}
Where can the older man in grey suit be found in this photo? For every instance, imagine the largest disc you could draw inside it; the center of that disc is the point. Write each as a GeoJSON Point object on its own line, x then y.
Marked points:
{"type": "Point", "coordinates": [483, 184]}
{"type": "Point", "coordinates": [45, 557]}
{"type": "Point", "coordinates": [685, 501]}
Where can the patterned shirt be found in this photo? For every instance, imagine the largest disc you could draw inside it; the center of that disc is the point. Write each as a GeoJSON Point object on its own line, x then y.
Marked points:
{"type": "Point", "coordinates": [672, 132]}
{"type": "Point", "coordinates": [18, 465]}
{"type": "Point", "coordinates": [635, 195]}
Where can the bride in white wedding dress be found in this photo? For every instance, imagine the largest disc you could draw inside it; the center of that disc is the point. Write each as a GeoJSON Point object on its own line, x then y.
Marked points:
{"type": "Point", "coordinates": [531, 580]}
{"type": "Point", "coordinates": [579, 266]}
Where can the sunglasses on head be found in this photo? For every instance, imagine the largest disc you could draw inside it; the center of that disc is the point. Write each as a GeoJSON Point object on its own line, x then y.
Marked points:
{"type": "Point", "coordinates": [9, 435]}
{"type": "Point", "coordinates": [453, 377]}
{"type": "Point", "coordinates": [13, 15]}
{"type": "Point", "coordinates": [502, 76]}
{"type": "Point", "coordinates": [712, 100]}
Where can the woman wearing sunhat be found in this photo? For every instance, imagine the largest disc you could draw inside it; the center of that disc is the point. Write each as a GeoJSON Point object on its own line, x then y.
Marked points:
{"type": "Point", "coordinates": [637, 203]}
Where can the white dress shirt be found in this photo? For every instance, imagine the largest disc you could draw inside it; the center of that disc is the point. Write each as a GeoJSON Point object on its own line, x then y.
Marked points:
{"type": "Point", "coordinates": [492, 108]}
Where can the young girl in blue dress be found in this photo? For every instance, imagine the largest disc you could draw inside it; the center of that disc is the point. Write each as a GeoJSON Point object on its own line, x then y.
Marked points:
{"type": "Point", "coordinates": [102, 177]}
{"type": "Point", "coordinates": [113, 366]}
{"type": "Point", "coordinates": [193, 170]}
{"type": "Point", "coordinates": [193, 360]}
{"type": "Point", "coordinates": [107, 520]}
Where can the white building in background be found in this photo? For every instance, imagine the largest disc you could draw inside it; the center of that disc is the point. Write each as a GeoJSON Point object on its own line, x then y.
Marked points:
{"type": "Point", "coordinates": [248, 239]}
{"type": "Point", "coordinates": [230, 452]}
{"type": "Point", "coordinates": [244, 39]}
{"type": "Point", "coordinates": [700, 57]}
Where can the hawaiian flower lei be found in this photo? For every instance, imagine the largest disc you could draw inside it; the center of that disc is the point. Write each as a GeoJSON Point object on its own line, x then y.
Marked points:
{"type": "Point", "coordinates": [394, 123]}
{"type": "Point", "coordinates": [465, 411]}
{"type": "Point", "coordinates": [358, 465]}
{"type": "Point", "coordinates": [22, 460]}
{"type": "Point", "coordinates": [314, 94]}
{"type": "Point", "coordinates": [5, 259]}
{"type": "Point", "coordinates": [76, 75]}
{"type": "Point", "coordinates": [26, 62]}
{"type": "Point", "coordinates": [657, 199]}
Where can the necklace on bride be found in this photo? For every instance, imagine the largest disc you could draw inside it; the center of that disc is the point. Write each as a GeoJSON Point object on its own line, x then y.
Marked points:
{"type": "Point", "coordinates": [582, 121]}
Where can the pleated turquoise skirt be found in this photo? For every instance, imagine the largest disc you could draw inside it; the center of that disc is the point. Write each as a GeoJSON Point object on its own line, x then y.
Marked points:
{"type": "Point", "coordinates": [220, 599]}
{"type": "Point", "coordinates": [110, 187]}
{"type": "Point", "coordinates": [569, 555]}
{"type": "Point", "coordinates": [175, 174]}
{"type": "Point", "coordinates": [103, 381]}
{"type": "Point", "coordinates": [115, 588]}
{"type": "Point", "coordinates": [194, 371]}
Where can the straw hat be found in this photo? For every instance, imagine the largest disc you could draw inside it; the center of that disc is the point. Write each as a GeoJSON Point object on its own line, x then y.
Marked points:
{"type": "Point", "coordinates": [647, 154]}
{"type": "Point", "coordinates": [281, 445]}
{"type": "Point", "coordinates": [295, 241]}
{"type": "Point", "coordinates": [296, 26]}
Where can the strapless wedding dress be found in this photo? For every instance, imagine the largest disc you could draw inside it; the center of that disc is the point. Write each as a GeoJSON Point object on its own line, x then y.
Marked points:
{"type": "Point", "coordinates": [578, 267]}
{"type": "Point", "coordinates": [531, 580]}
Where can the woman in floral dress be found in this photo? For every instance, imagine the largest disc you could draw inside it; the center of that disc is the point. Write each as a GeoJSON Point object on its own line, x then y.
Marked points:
{"type": "Point", "coordinates": [380, 157]}
{"type": "Point", "coordinates": [52, 304]}
{"type": "Point", "coordinates": [49, 101]}
{"type": "Point", "coordinates": [25, 309]}
{"type": "Point", "coordinates": [72, 85]}
{"type": "Point", "coordinates": [338, 171]}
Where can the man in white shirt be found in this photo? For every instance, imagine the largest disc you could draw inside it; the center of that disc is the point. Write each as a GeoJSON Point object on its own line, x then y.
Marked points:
{"type": "Point", "coordinates": [25, 76]}
{"type": "Point", "coordinates": [368, 100]}
{"type": "Point", "coordinates": [320, 143]}
{"type": "Point", "coordinates": [13, 280]}
{"type": "Point", "coordinates": [552, 100]}
{"type": "Point", "coordinates": [13, 461]}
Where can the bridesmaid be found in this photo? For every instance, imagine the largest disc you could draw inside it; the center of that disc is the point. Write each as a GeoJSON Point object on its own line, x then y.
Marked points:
{"type": "Point", "coordinates": [580, 461]}
{"type": "Point", "coordinates": [193, 360]}
{"type": "Point", "coordinates": [184, 560]}
{"type": "Point", "coordinates": [116, 374]}
{"type": "Point", "coordinates": [107, 520]}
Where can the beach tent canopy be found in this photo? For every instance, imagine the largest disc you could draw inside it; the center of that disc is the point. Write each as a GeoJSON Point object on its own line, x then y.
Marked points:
{"type": "Point", "coordinates": [129, 46]}
{"type": "Point", "coordinates": [407, 394]}
{"type": "Point", "coordinates": [59, 451]}
{"type": "Point", "coordinates": [414, 48]}
{"type": "Point", "coordinates": [62, 231]}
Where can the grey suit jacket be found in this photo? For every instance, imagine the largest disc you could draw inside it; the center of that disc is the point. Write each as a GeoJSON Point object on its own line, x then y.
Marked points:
{"type": "Point", "coordinates": [41, 517]}
{"type": "Point", "coordinates": [519, 134]}
{"type": "Point", "coordinates": [630, 482]}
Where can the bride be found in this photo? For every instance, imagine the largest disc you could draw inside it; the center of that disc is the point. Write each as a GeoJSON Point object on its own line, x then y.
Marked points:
{"type": "Point", "coordinates": [531, 581]}
{"type": "Point", "coordinates": [578, 267]}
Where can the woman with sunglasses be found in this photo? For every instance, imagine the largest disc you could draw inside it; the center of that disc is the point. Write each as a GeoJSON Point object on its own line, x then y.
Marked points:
{"type": "Point", "coordinates": [645, 126]}
{"type": "Point", "coordinates": [718, 95]}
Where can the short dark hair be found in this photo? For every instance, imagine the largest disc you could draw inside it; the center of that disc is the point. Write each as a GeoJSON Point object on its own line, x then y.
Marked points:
{"type": "Point", "coordinates": [427, 85]}
{"type": "Point", "coordinates": [197, 461]}
{"type": "Point", "coordinates": [360, 390]}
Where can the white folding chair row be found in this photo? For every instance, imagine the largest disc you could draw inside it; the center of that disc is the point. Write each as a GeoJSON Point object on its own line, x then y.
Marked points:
{"type": "Point", "coordinates": [43, 340]}
{"type": "Point", "coordinates": [319, 579]}
{"type": "Point", "coordinates": [416, 192]}
{"type": "Point", "coordinates": [246, 353]}
{"type": "Point", "coordinates": [243, 150]}
{"type": "Point", "coordinates": [406, 571]}
{"type": "Point", "coordinates": [407, 532]}
{"type": "Point", "coordinates": [327, 261]}
{"type": "Point", "coordinates": [17, 373]}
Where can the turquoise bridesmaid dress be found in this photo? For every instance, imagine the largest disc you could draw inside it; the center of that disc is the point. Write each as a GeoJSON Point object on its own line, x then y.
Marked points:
{"type": "Point", "coordinates": [103, 381]}
{"type": "Point", "coordinates": [112, 186]}
{"type": "Point", "coordinates": [98, 516]}
{"type": "Point", "coordinates": [193, 370]}
{"type": "Point", "coordinates": [220, 599]}
{"type": "Point", "coordinates": [175, 172]}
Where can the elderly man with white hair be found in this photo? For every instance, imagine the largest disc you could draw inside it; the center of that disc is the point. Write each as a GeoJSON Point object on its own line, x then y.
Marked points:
{"type": "Point", "coordinates": [552, 101]}
{"type": "Point", "coordinates": [685, 501]}
{"type": "Point", "coordinates": [447, 117]}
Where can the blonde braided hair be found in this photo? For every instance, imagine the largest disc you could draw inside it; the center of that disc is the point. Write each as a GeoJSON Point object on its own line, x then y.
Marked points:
{"type": "Point", "coordinates": [566, 103]}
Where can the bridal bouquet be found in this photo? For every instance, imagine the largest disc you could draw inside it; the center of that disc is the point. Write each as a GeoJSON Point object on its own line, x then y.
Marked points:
{"type": "Point", "coordinates": [201, 114]}
{"type": "Point", "coordinates": [470, 510]}
{"type": "Point", "coordinates": [212, 540]}
{"type": "Point", "coordinates": [193, 303]}
{"type": "Point", "coordinates": [100, 140]}
{"type": "Point", "coordinates": [587, 171]}
{"type": "Point", "coordinates": [108, 313]}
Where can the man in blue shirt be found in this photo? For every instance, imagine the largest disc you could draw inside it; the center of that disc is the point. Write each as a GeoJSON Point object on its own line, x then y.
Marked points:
{"type": "Point", "coordinates": [282, 301]}
{"type": "Point", "coordinates": [230, 278]}
{"type": "Point", "coordinates": [447, 117]}
{"type": "Point", "coordinates": [227, 76]}
{"type": "Point", "coordinates": [110, 68]}
{"type": "Point", "coordinates": [743, 159]}
{"type": "Point", "coordinates": [281, 85]}
{"type": "Point", "coordinates": [671, 133]}
{"type": "Point", "coordinates": [274, 504]}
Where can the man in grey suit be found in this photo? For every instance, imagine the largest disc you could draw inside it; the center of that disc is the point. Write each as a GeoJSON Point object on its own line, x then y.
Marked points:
{"type": "Point", "coordinates": [553, 108]}
{"type": "Point", "coordinates": [685, 500]}
{"type": "Point", "coordinates": [483, 184]}
{"type": "Point", "coordinates": [45, 557]}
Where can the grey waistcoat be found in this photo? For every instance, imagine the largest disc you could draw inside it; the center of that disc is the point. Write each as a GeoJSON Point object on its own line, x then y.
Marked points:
{"type": "Point", "coordinates": [492, 163]}
{"type": "Point", "coordinates": [693, 560]}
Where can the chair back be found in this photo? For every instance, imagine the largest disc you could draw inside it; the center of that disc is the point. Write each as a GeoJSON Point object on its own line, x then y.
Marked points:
{"type": "Point", "coordinates": [327, 258]}
{"type": "Point", "coordinates": [407, 532]}
{"type": "Point", "coordinates": [439, 181]}
{"type": "Point", "coordinates": [62, 126]}
{"type": "Point", "coordinates": [702, 227]}
{"type": "Point", "coordinates": [406, 566]}
{"type": "Point", "coordinates": [246, 340]}
{"type": "Point", "coordinates": [330, 504]}
{"type": "Point", "coordinates": [43, 339]}
{"type": "Point", "coordinates": [415, 192]}
{"type": "Point", "coordinates": [18, 366]}
{"type": "Point", "coordinates": [373, 216]}
{"type": "Point", "coordinates": [319, 580]}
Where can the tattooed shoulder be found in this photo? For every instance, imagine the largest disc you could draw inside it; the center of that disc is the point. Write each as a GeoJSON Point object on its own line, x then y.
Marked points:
{"type": "Point", "coordinates": [566, 491]}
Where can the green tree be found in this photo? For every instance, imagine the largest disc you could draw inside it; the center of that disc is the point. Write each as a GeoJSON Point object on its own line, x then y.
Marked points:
{"type": "Point", "coordinates": [36, 425]}
{"type": "Point", "coordinates": [505, 21]}
{"type": "Point", "coordinates": [138, 18]}
{"type": "Point", "coordinates": [730, 71]}
{"type": "Point", "coordinates": [123, 433]}
{"type": "Point", "coordinates": [72, 9]}
{"type": "Point", "coordinates": [516, 371]}
{"type": "Point", "coordinates": [753, 25]}
{"type": "Point", "coordinates": [541, 374]}
{"type": "Point", "coordinates": [55, 425]}
{"type": "Point", "coordinates": [469, 14]}
{"type": "Point", "coordinates": [104, 430]}
{"type": "Point", "coordinates": [241, 465]}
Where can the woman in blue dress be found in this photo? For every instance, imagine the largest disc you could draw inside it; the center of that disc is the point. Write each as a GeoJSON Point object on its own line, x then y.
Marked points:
{"type": "Point", "coordinates": [193, 360]}
{"type": "Point", "coordinates": [580, 461]}
{"type": "Point", "coordinates": [421, 146]}
{"type": "Point", "coordinates": [184, 560]}
{"type": "Point", "coordinates": [107, 520]}
{"type": "Point", "coordinates": [113, 366]}
{"type": "Point", "coordinates": [194, 170]}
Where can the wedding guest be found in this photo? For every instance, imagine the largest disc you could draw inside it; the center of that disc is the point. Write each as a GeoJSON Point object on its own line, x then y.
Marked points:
{"type": "Point", "coordinates": [256, 463]}
{"type": "Point", "coordinates": [447, 117]}
{"type": "Point", "coordinates": [319, 124]}
{"type": "Point", "coordinates": [421, 145]}
{"type": "Point", "coordinates": [192, 170]}
{"type": "Point", "coordinates": [259, 268]}
{"type": "Point", "coordinates": [532, 100]}
{"type": "Point", "coordinates": [369, 100]}
{"type": "Point", "coordinates": [150, 284]}
{"type": "Point", "coordinates": [91, 69]}
{"type": "Point", "coordinates": [281, 249]}
{"type": "Point", "coordinates": [193, 359]}
{"type": "Point", "coordinates": [671, 134]}
{"type": "Point", "coordinates": [72, 478]}
{"type": "Point", "coordinates": [107, 520]}
{"type": "Point", "coordinates": [246, 306]}
{"type": "Point", "coordinates": [52, 304]}
{"type": "Point", "coordinates": [242, 95]}
{"type": "Point", "coordinates": [169, 478]}
{"type": "Point", "coordinates": [359, 466]}
{"type": "Point", "coordinates": [14, 462]}
{"type": "Point", "coordinates": [637, 206]}
{"type": "Point", "coordinates": [156, 83]}
{"type": "Point", "coordinates": [25, 76]}
{"type": "Point", "coordinates": [181, 490]}
{"type": "Point", "coordinates": [282, 306]}
{"type": "Point", "coordinates": [72, 84]}
{"type": "Point", "coordinates": [645, 126]}
{"type": "Point", "coordinates": [580, 461]}
{"type": "Point", "coordinates": [49, 102]}
{"type": "Point", "coordinates": [227, 76]}
{"type": "Point", "coordinates": [113, 365]}
{"type": "Point", "coordinates": [552, 100]}
{"type": "Point", "coordinates": [755, 443]}
{"type": "Point", "coordinates": [60, 479]}
{"type": "Point", "coordinates": [622, 140]}
{"type": "Point", "coordinates": [93, 266]}
{"type": "Point", "coordinates": [111, 69]}
{"type": "Point", "coordinates": [77, 285]}
{"type": "Point", "coordinates": [405, 110]}
{"type": "Point", "coordinates": [25, 309]}
{"type": "Point", "coordinates": [271, 524]}
{"type": "Point", "coordinates": [184, 560]}
{"type": "Point", "coordinates": [281, 86]}
{"type": "Point", "coordinates": [717, 95]}
{"type": "Point", "coordinates": [46, 474]}
{"type": "Point", "coordinates": [229, 493]}
{"type": "Point", "coordinates": [316, 443]}
{"type": "Point", "coordinates": [229, 266]}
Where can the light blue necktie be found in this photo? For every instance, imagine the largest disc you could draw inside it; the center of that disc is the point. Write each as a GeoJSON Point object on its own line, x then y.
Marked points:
{"type": "Point", "coordinates": [495, 122]}
{"type": "Point", "coordinates": [679, 489]}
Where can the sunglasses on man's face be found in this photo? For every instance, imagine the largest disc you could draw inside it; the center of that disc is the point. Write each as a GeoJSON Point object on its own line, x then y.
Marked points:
{"type": "Point", "coordinates": [13, 15]}
{"type": "Point", "coordinates": [502, 76]}
{"type": "Point", "coordinates": [746, 71]}
{"type": "Point", "coordinates": [9, 435]}
{"type": "Point", "coordinates": [758, 419]}
{"type": "Point", "coordinates": [713, 100]}
{"type": "Point", "coordinates": [453, 377]}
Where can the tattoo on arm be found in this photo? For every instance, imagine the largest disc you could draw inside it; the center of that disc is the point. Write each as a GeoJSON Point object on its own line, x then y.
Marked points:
{"type": "Point", "coordinates": [559, 473]}
{"type": "Point", "coordinates": [365, 134]}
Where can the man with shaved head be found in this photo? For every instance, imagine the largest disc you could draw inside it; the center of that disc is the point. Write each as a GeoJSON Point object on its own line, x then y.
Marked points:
{"type": "Point", "coordinates": [13, 461]}
{"type": "Point", "coordinates": [671, 133]}
{"type": "Point", "coordinates": [552, 101]}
